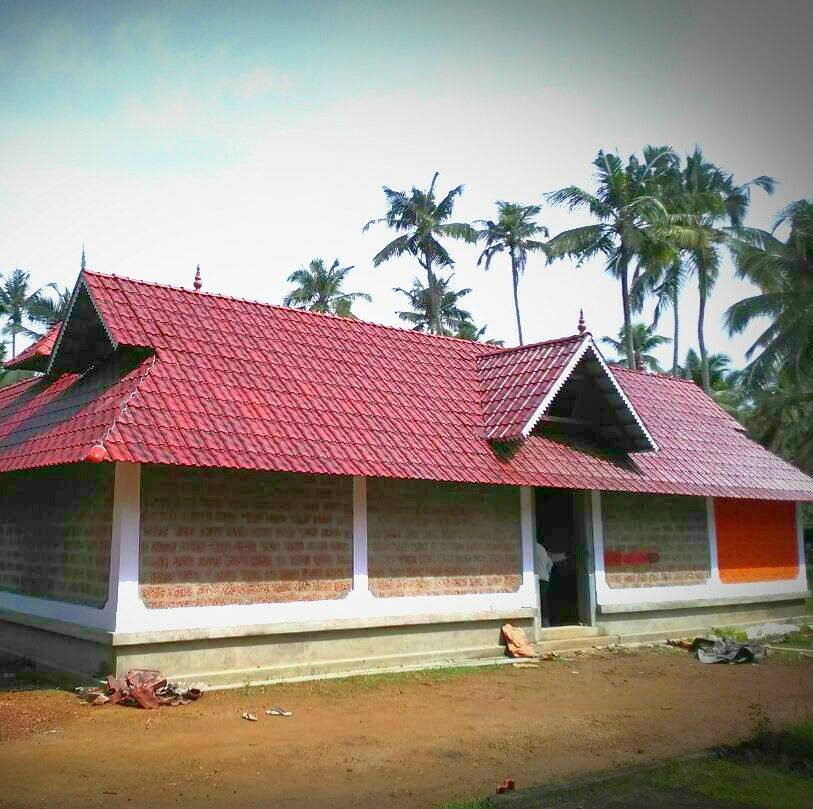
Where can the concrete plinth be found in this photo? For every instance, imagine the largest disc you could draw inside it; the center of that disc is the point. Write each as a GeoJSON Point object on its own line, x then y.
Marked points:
{"type": "Point", "coordinates": [239, 656]}
{"type": "Point", "coordinates": [686, 620]}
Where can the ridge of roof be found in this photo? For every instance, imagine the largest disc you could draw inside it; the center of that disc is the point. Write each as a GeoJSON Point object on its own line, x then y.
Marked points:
{"type": "Point", "coordinates": [539, 344]}
{"type": "Point", "coordinates": [654, 375]}
{"type": "Point", "coordinates": [483, 348]}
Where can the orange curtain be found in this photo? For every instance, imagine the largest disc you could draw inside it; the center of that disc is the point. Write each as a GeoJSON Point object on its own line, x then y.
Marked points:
{"type": "Point", "coordinates": [756, 540]}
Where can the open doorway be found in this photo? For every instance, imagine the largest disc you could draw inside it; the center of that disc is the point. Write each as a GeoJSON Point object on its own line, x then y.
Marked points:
{"type": "Point", "coordinates": [562, 527]}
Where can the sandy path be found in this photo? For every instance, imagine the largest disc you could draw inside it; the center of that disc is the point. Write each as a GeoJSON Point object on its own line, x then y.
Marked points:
{"type": "Point", "coordinates": [411, 743]}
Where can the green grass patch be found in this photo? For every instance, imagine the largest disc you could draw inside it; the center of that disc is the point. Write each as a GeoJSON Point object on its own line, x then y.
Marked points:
{"type": "Point", "coordinates": [476, 803]}
{"type": "Point", "coordinates": [727, 632]}
{"type": "Point", "coordinates": [361, 683]}
{"type": "Point", "coordinates": [751, 784]}
{"type": "Point", "coordinates": [768, 771]}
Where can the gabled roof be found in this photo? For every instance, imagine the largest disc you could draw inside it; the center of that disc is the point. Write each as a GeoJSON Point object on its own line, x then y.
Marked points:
{"type": "Point", "coordinates": [205, 380]}
{"type": "Point", "coordinates": [516, 381]}
{"type": "Point", "coordinates": [35, 357]}
{"type": "Point", "coordinates": [519, 385]}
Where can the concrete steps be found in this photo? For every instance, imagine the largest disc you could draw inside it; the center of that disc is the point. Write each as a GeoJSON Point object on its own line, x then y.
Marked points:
{"type": "Point", "coordinates": [570, 638]}
{"type": "Point", "coordinates": [550, 633]}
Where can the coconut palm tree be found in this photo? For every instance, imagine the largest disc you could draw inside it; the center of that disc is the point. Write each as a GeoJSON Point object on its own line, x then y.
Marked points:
{"type": "Point", "coordinates": [16, 304]}
{"type": "Point", "coordinates": [644, 340]}
{"type": "Point", "coordinates": [51, 309]}
{"type": "Point", "coordinates": [422, 222]}
{"type": "Point", "coordinates": [719, 366]}
{"type": "Point", "coordinates": [319, 289]}
{"type": "Point", "coordinates": [429, 302]}
{"type": "Point", "coordinates": [625, 202]}
{"type": "Point", "coordinates": [513, 232]}
{"type": "Point", "coordinates": [780, 414]}
{"type": "Point", "coordinates": [467, 330]}
{"type": "Point", "coordinates": [705, 197]}
{"type": "Point", "coordinates": [783, 271]}
{"type": "Point", "coordinates": [667, 284]}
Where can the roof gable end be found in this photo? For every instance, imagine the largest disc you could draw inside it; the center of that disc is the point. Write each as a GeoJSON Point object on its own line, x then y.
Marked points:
{"type": "Point", "coordinates": [520, 386]}
{"type": "Point", "coordinates": [84, 337]}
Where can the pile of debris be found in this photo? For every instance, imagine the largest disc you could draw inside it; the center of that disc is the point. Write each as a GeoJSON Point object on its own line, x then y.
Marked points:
{"type": "Point", "coordinates": [714, 649]}
{"type": "Point", "coordinates": [142, 689]}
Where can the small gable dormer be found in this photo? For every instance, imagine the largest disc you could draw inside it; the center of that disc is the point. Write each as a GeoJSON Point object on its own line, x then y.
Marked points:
{"type": "Point", "coordinates": [562, 389]}
{"type": "Point", "coordinates": [84, 338]}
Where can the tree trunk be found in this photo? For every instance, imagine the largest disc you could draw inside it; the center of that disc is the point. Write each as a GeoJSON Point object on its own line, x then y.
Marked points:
{"type": "Point", "coordinates": [625, 301]}
{"type": "Point", "coordinates": [434, 301]}
{"type": "Point", "coordinates": [515, 280]}
{"type": "Point", "coordinates": [13, 345]}
{"type": "Point", "coordinates": [675, 351]}
{"type": "Point", "coordinates": [701, 341]}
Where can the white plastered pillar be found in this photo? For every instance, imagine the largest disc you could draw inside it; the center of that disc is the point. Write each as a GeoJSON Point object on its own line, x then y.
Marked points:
{"type": "Point", "coordinates": [361, 588]}
{"type": "Point", "coordinates": [530, 585]}
{"type": "Point", "coordinates": [711, 528]}
{"type": "Point", "coordinates": [124, 605]}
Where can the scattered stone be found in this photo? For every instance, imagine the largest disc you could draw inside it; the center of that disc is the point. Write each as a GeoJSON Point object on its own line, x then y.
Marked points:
{"type": "Point", "coordinates": [251, 717]}
{"type": "Point", "coordinates": [771, 631]}
{"type": "Point", "coordinates": [277, 711]}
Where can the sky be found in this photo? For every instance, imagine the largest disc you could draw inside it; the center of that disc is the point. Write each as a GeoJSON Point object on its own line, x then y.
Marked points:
{"type": "Point", "coordinates": [251, 137]}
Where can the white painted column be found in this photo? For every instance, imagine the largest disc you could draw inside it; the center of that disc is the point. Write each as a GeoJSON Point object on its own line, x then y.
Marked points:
{"type": "Point", "coordinates": [598, 543]}
{"type": "Point", "coordinates": [711, 528]}
{"type": "Point", "coordinates": [530, 583]}
{"type": "Point", "coordinates": [124, 605]}
{"type": "Point", "coordinates": [587, 506]}
{"type": "Point", "coordinates": [361, 588]}
{"type": "Point", "coordinates": [800, 540]}
{"type": "Point", "coordinates": [528, 532]}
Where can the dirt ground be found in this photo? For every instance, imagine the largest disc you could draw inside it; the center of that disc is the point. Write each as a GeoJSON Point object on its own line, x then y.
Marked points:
{"type": "Point", "coordinates": [404, 741]}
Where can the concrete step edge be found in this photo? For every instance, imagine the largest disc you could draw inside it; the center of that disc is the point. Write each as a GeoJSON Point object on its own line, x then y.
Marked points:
{"type": "Point", "coordinates": [569, 632]}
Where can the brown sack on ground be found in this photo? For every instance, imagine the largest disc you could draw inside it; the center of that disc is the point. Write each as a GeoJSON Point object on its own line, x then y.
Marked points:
{"type": "Point", "coordinates": [518, 645]}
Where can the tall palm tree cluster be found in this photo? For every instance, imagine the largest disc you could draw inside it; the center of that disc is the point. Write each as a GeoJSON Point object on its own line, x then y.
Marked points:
{"type": "Point", "coordinates": [777, 383]}
{"type": "Point", "coordinates": [659, 222]}
{"type": "Point", "coordinates": [421, 222]}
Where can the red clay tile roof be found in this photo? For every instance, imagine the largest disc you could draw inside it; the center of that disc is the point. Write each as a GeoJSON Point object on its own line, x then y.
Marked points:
{"type": "Point", "coordinates": [516, 381]}
{"type": "Point", "coordinates": [36, 355]}
{"type": "Point", "coordinates": [246, 385]}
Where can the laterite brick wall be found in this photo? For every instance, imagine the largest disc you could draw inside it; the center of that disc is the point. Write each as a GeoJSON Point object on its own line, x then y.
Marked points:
{"type": "Point", "coordinates": [654, 540]}
{"type": "Point", "coordinates": [55, 532]}
{"type": "Point", "coordinates": [212, 536]}
{"type": "Point", "coordinates": [429, 538]}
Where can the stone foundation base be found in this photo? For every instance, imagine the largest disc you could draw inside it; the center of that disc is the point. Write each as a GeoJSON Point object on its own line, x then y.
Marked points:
{"type": "Point", "coordinates": [678, 622]}
{"type": "Point", "coordinates": [240, 656]}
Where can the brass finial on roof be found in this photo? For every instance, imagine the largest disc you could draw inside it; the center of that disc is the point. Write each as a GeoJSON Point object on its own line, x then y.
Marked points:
{"type": "Point", "coordinates": [582, 324]}
{"type": "Point", "coordinates": [198, 282]}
